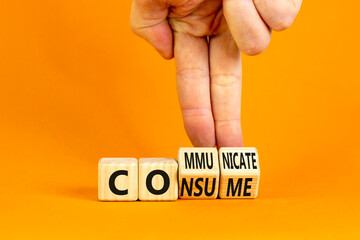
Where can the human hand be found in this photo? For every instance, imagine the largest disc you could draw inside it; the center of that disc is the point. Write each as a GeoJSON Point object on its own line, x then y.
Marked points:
{"type": "Point", "coordinates": [206, 38]}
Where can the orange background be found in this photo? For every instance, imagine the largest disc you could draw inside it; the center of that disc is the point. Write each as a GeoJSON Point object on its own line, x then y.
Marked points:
{"type": "Point", "coordinates": [76, 85]}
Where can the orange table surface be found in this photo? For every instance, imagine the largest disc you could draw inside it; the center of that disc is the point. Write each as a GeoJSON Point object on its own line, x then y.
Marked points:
{"type": "Point", "coordinates": [76, 85]}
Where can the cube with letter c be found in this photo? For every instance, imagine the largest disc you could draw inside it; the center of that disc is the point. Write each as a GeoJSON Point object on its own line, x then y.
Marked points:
{"type": "Point", "coordinates": [118, 179]}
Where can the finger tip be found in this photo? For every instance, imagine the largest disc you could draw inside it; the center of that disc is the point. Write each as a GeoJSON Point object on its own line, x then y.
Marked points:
{"type": "Point", "coordinates": [229, 137]}
{"type": "Point", "coordinates": [202, 136]}
{"type": "Point", "coordinates": [203, 140]}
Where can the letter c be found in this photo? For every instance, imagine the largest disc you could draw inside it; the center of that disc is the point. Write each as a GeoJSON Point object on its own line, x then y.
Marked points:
{"type": "Point", "coordinates": [112, 182]}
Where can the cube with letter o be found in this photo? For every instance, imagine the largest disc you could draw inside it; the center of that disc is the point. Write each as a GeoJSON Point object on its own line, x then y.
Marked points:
{"type": "Point", "coordinates": [158, 179]}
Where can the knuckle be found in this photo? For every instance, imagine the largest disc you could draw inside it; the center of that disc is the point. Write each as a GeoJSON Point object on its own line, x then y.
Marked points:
{"type": "Point", "coordinates": [284, 18]}
{"type": "Point", "coordinates": [133, 27]}
{"type": "Point", "coordinates": [191, 111]}
{"type": "Point", "coordinates": [255, 47]}
{"type": "Point", "coordinates": [279, 15]}
{"type": "Point", "coordinates": [228, 122]}
{"type": "Point", "coordinates": [192, 73]}
{"type": "Point", "coordinates": [283, 21]}
{"type": "Point", "coordinates": [225, 80]}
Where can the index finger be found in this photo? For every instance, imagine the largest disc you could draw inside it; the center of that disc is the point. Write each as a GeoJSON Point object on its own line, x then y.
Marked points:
{"type": "Point", "coordinates": [193, 83]}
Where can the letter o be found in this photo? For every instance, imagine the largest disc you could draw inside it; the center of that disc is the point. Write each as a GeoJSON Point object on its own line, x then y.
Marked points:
{"type": "Point", "coordinates": [149, 182]}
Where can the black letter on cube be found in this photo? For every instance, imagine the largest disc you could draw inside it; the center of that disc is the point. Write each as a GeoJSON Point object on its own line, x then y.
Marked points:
{"type": "Point", "coordinates": [149, 182]}
{"type": "Point", "coordinates": [112, 182]}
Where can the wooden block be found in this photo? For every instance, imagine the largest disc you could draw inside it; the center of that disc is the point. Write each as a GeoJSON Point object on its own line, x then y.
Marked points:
{"type": "Point", "coordinates": [198, 173]}
{"type": "Point", "coordinates": [158, 179]}
{"type": "Point", "coordinates": [118, 179]}
{"type": "Point", "coordinates": [240, 172]}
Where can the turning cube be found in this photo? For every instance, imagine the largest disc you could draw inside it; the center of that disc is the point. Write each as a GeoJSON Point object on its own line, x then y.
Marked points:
{"type": "Point", "coordinates": [118, 179]}
{"type": "Point", "coordinates": [198, 173]}
{"type": "Point", "coordinates": [240, 172]}
{"type": "Point", "coordinates": [158, 179]}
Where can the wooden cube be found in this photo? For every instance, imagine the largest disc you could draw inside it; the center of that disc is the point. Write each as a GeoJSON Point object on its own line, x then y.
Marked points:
{"type": "Point", "coordinates": [118, 179]}
{"type": "Point", "coordinates": [158, 179]}
{"type": "Point", "coordinates": [198, 173]}
{"type": "Point", "coordinates": [239, 172]}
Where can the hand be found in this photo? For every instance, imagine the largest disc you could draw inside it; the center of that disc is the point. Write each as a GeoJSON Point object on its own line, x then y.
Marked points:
{"type": "Point", "coordinates": [206, 37]}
